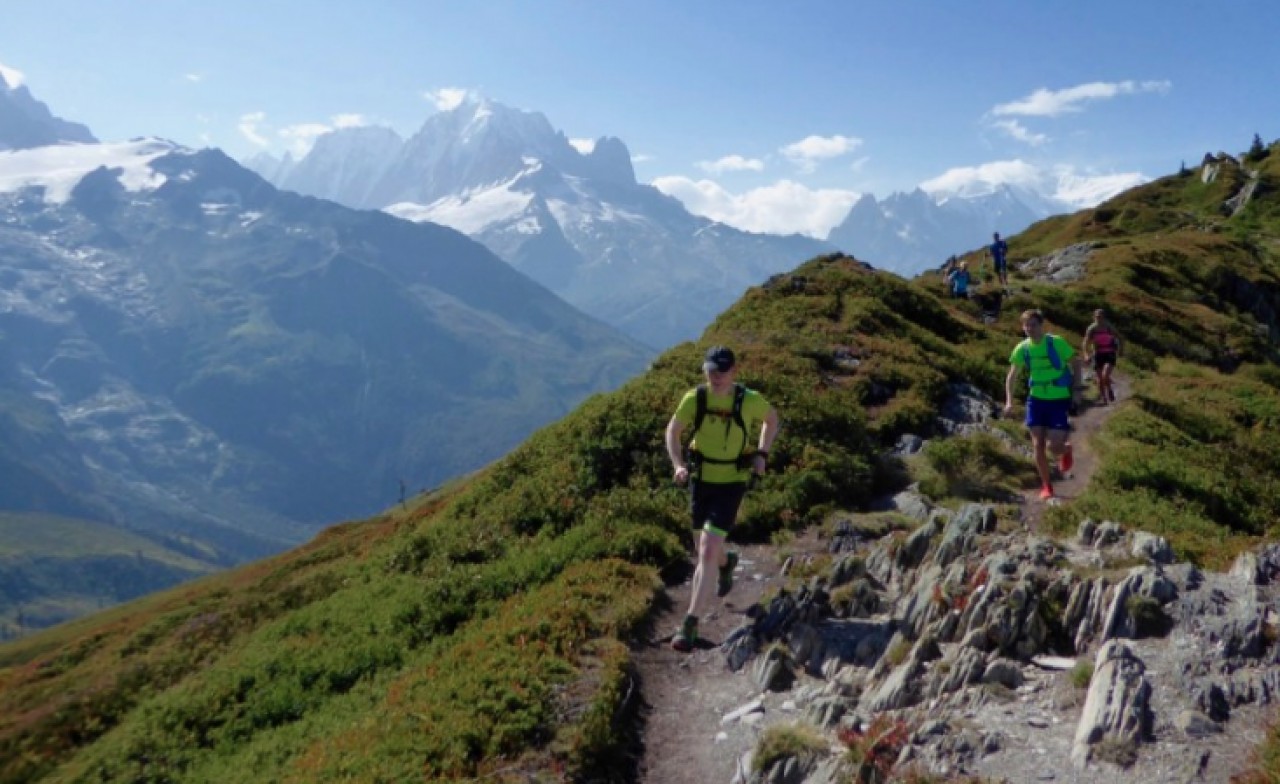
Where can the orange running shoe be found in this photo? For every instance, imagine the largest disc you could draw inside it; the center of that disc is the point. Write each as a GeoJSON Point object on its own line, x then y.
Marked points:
{"type": "Point", "coordinates": [1046, 492]}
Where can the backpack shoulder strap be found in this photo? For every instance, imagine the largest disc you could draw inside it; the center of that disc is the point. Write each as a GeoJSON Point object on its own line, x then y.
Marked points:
{"type": "Point", "coordinates": [739, 394]}
{"type": "Point", "coordinates": [1052, 351]}
{"type": "Point", "coordinates": [700, 412]}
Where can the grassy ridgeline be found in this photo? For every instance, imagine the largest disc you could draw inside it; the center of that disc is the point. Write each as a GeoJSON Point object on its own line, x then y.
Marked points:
{"type": "Point", "coordinates": [481, 631]}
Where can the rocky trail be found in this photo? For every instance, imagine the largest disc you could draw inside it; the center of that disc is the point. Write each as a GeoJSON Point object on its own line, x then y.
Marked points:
{"type": "Point", "coordinates": [987, 649]}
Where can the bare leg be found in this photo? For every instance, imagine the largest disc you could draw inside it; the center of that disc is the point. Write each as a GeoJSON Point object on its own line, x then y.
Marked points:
{"type": "Point", "coordinates": [1056, 443]}
{"type": "Point", "coordinates": [1042, 460]}
{"type": "Point", "coordinates": [711, 556]}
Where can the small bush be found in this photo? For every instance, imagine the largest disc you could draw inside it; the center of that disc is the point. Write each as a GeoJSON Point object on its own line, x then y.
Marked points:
{"type": "Point", "coordinates": [785, 741]}
{"type": "Point", "coordinates": [1149, 618]}
{"type": "Point", "coordinates": [874, 751]}
{"type": "Point", "coordinates": [1117, 751]}
{"type": "Point", "coordinates": [1265, 763]}
{"type": "Point", "coordinates": [1081, 675]}
{"type": "Point", "coordinates": [897, 652]}
{"type": "Point", "coordinates": [973, 467]}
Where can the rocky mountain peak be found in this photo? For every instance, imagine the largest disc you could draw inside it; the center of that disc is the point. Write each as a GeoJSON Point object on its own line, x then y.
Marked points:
{"type": "Point", "coordinates": [611, 160]}
{"type": "Point", "coordinates": [26, 122]}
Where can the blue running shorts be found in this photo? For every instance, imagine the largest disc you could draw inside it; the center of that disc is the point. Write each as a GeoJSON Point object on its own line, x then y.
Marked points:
{"type": "Point", "coordinates": [1049, 414]}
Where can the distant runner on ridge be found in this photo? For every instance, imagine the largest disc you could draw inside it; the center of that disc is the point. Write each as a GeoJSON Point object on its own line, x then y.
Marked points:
{"type": "Point", "coordinates": [958, 277]}
{"type": "Point", "coordinates": [1102, 345]}
{"type": "Point", "coordinates": [1052, 367]}
{"type": "Point", "coordinates": [721, 416]}
{"type": "Point", "coordinates": [999, 250]}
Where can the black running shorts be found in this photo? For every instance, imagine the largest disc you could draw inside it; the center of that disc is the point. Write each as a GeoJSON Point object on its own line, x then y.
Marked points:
{"type": "Point", "coordinates": [715, 505]}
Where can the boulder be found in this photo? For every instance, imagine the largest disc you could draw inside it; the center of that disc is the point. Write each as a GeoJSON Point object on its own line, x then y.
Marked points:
{"type": "Point", "coordinates": [1118, 703]}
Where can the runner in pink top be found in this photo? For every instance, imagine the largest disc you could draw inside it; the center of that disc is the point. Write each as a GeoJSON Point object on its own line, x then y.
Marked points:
{"type": "Point", "coordinates": [1102, 344]}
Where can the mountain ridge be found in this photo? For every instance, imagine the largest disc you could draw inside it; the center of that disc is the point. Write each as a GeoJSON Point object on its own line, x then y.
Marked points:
{"type": "Point", "coordinates": [578, 223]}
{"type": "Point", "coordinates": [488, 626]}
{"type": "Point", "coordinates": [183, 347]}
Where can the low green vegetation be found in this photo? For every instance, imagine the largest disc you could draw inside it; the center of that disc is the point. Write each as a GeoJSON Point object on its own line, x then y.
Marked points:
{"type": "Point", "coordinates": [1081, 675]}
{"type": "Point", "coordinates": [977, 467]}
{"type": "Point", "coordinates": [483, 630]}
{"type": "Point", "coordinates": [783, 741]}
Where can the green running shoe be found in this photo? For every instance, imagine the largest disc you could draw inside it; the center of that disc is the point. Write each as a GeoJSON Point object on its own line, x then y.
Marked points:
{"type": "Point", "coordinates": [687, 637]}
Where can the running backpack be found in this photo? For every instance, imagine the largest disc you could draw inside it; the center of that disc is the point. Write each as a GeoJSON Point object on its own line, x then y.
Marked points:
{"type": "Point", "coordinates": [1064, 379]}
{"type": "Point", "coordinates": [700, 414]}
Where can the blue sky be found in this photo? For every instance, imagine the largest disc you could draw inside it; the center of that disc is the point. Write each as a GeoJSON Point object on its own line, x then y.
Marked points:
{"type": "Point", "coordinates": [769, 115]}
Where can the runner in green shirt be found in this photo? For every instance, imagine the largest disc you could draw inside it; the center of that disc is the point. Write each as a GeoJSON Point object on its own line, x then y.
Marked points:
{"type": "Point", "coordinates": [1052, 367]}
{"type": "Point", "coordinates": [721, 462]}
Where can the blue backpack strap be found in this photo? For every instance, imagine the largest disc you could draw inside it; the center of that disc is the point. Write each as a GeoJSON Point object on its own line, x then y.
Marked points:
{"type": "Point", "coordinates": [1064, 378]}
{"type": "Point", "coordinates": [1049, 348]}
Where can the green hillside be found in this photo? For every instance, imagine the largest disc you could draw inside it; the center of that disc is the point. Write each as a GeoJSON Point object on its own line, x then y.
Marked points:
{"type": "Point", "coordinates": [482, 631]}
{"type": "Point", "coordinates": [56, 568]}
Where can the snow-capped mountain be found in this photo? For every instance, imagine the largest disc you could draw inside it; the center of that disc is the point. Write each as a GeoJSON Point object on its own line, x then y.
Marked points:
{"type": "Point", "coordinates": [186, 350]}
{"type": "Point", "coordinates": [576, 222]}
{"type": "Point", "coordinates": [346, 168]}
{"type": "Point", "coordinates": [26, 122]}
{"type": "Point", "coordinates": [908, 233]}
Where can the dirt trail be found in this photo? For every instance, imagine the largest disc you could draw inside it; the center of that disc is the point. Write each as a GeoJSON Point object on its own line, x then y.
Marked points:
{"type": "Point", "coordinates": [685, 696]}
{"type": "Point", "coordinates": [1083, 428]}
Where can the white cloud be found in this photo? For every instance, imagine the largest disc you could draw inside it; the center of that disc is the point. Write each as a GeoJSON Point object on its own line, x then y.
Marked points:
{"type": "Point", "coordinates": [584, 146]}
{"type": "Point", "coordinates": [1062, 183]}
{"type": "Point", "coordinates": [731, 163]}
{"type": "Point", "coordinates": [351, 120]}
{"type": "Point", "coordinates": [249, 128]}
{"type": "Point", "coordinates": [193, 77]}
{"type": "Point", "coordinates": [1089, 190]}
{"type": "Point", "coordinates": [857, 165]}
{"type": "Point", "coordinates": [12, 76]}
{"type": "Point", "coordinates": [302, 137]}
{"type": "Point", "coordinates": [1051, 103]}
{"type": "Point", "coordinates": [1020, 132]}
{"type": "Point", "coordinates": [986, 176]}
{"type": "Point", "coordinates": [446, 98]}
{"type": "Point", "coordinates": [785, 207]}
{"type": "Point", "coordinates": [642, 158]}
{"type": "Point", "coordinates": [807, 152]}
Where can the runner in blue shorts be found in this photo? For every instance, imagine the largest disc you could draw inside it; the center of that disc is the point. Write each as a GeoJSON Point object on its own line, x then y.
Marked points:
{"type": "Point", "coordinates": [1052, 367]}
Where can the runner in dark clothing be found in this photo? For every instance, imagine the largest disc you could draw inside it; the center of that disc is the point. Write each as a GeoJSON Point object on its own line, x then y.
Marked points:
{"type": "Point", "coordinates": [999, 250]}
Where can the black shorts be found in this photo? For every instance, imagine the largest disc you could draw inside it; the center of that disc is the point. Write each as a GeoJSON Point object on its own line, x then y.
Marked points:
{"type": "Point", "coordinates": [1100, 359]}
{"type": "Point", "coordinates": [715, 505]}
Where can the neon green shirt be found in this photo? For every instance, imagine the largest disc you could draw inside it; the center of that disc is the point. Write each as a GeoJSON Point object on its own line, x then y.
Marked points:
{"type": "Point", "coordinates": [1043, 373]}
{"type": "Point", "coordinates": [720, 437]}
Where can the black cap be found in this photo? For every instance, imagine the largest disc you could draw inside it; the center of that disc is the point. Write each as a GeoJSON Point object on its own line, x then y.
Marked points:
{"type": "Point", "coordinates": [718, 358]}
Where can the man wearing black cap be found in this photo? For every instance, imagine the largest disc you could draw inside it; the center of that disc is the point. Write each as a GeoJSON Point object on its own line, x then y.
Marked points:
{"type": "Point", "coordinates": [722, 417]}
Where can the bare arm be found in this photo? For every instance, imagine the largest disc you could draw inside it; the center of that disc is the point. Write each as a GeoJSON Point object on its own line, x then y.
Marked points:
{"type": "Point", "coordinates": [1008, 387]}
{"type": "Point", "coordinates": [768, 434]}
{"type": "Point", "coordinates": [1088, 342]}
{"type": "Point", "coordinates": [674, 450]}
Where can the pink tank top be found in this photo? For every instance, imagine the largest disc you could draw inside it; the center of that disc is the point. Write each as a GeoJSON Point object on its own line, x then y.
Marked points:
{"type": "Point", "coordinates": [1104, 341]}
